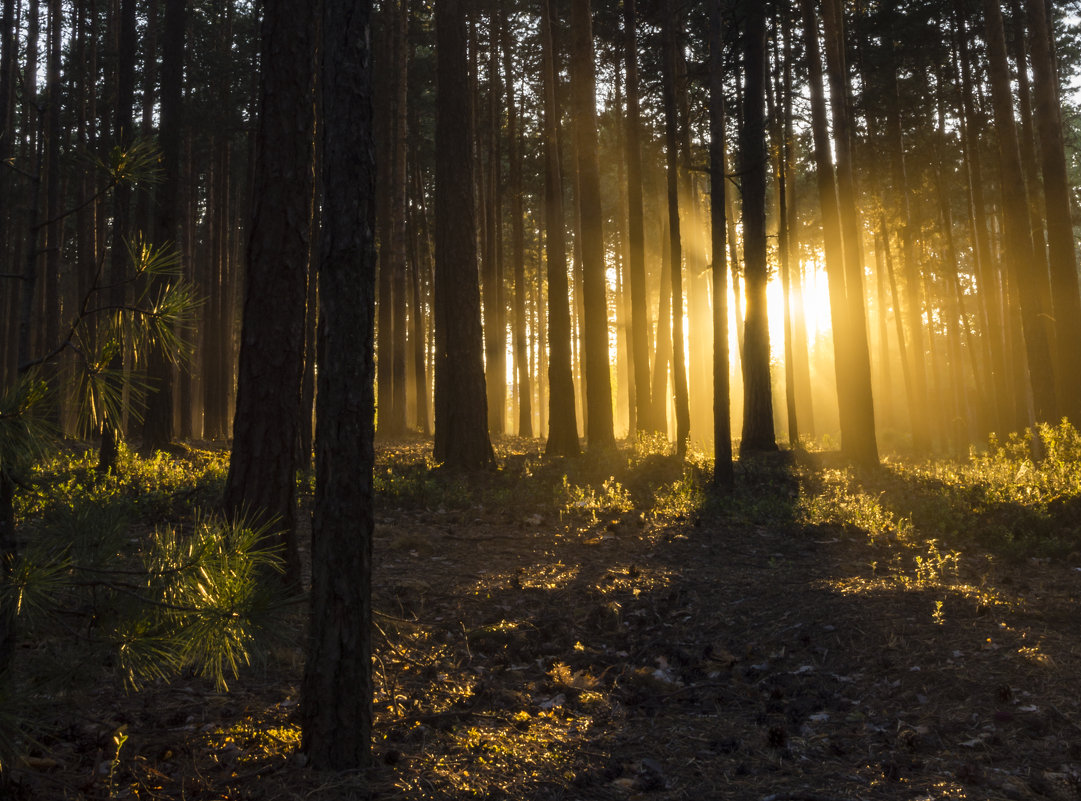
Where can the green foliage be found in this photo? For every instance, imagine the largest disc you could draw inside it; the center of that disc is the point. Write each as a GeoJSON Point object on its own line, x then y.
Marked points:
{"type": "Point", "coordinates": [102, 593]}
{"type": "Point", "coordinates": [23, 432]}
{"type": "Point", "coordinates": [608, 498]}
{"type": "Point", "coordinates": [840, 501]}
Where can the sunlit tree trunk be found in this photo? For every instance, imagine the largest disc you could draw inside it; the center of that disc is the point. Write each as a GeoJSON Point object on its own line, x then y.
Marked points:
{"type": "Point", "coordinates": [679, 364]}
{"type": "Point", "coordinates": [422, 269]}
{"type": "Point", "coordinates": [601, 433]}
{"type": "Point", "coordinates": [723, 476]}
{"type": "Point", "coordinates": [495, 314]}
{"type": "Point", "coordinates": [461, 410]}
{"type": "Point", "coordinates": [858, 436]}
{"type": "Point", "coordinates": [662, 351]}
{"type": "Point", "coordinates": [514, 158]}
{"type": "Point", "coordinates": [635, 229]}
{"type": "Point", "coordinates": [562, 420]}
{"type": "Point", "coordinates": [989, 290]}
{"type": "Point", "coordinates": [1066, 301]}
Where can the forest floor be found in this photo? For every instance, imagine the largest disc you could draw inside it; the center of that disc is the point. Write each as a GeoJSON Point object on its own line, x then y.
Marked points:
{"type": "Point", "coordinates": [605, 629]}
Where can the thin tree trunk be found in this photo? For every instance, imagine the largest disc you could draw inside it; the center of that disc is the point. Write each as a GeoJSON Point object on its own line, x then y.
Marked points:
{"type": "Point", "coordinates": [723, 474]}
{"type": "Point", "coordinates": [562, 420]}
{"type": "Point", "coordinates": [679, 365]}
{"type": "Point", "coordinates": [635, 229]}
{"type": "Point", "coordinates": [597, 373]}
{"type": "Point", "coordinates": [758, 432]}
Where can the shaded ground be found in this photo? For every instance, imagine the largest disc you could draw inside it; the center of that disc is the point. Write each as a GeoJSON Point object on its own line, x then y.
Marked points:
{"type": "Point", "coordinates": [555, 644]}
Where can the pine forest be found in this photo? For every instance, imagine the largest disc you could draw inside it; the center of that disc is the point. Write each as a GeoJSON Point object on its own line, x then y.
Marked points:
{"type": "Point", "coordinates": [540, 399]}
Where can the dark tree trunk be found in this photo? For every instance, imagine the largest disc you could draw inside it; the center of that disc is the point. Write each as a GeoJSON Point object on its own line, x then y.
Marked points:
{"type": "Point", "coordinates": [758, 432]}
{"type": "Point", "coordinates": [1066, 301]}
{"type": "Point", "coordinates": [723, 476]}
{"type": "Point", "coordinates": [461, 410]}
{"type": "Point", "coordinates": [395, 422]}
{"type": "Point", "coordinates": [635, 233]}
{"type": "Point", "coordinates": [563, 421]}
{"type": "Point", "coordinates": [675, 240]}
{"type": "Point", "coordinates": [262, 470]}
{"type": "Point", "coordinates": [671, 124]}
{"type": "Point", "coordinates": [336, 694]}
{"type": "Point", "coordinates": [780, 131]}
{"type": "Point", "coordinates": [1019, 252]}
{"type": "Point", "coordinates": [597, 372]}
{"type": "Point", "coordinates": [495, 315]}
{"type": "Point", "coordinates": [124, 136]}
{"type": "Point", "coordinates": [514, 157]}
{"type": "Point", "coordinates": [158, 421]}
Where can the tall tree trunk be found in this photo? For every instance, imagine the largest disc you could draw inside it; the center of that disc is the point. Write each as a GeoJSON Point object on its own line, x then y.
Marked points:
{"type": "Point", "coordinates": [601, 433]}
{"type": "Point", "coordinates": [781, 145]}
{"type": "Point", "coordinates": [1066, 300]}
{"type": "Point", "coordinates": [158, 420]}
{"type": "Point", "coordinates": [54, 224]}
{"type": "Point", "coordinates": [264, 461]}
{"type": "Point", "coordinates": [336, 694]}
{"type": "Point", "coordinates": [495, 328]}
{"type": "Point", "coordinates": [1019, 251]}
{"type": "Point", "coordinates": [395, 422]}
{"type": "Point", "coordinates": [124, 136]}
{"type": "Point", "coordinates": [514, 157]}
{"type": "Point", "coordinates": [635, 229]}
{"type": "Point", "coordinates": [662, 351]}
{"type": "Point", "coordinates": [989, 296]}
{"type": "Point", "coordinates": [671, 123]}
{"type": "Point", "coordinates": [723, 474]}
{"type": "Point", "coordinates": [860, 444]}
{"type": "Point", "coordinates": [461, 411]}
{"type": "Point", "coordinates": [562, 419]}
{"type": "Point", "coordinates": [758, 433]}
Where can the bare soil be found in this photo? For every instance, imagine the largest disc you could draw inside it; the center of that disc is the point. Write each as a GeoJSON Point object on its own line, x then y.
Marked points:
{"type": "Point", "coordinates": [530, 651]}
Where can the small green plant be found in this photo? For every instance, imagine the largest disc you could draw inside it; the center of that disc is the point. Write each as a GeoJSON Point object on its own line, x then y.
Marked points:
{"type": "Point", "coordinates": [842, 502]}
{"type": "Point", "coordinates": [938, 616]}
{"type": "Point", "coordinates": [609, 498]}
{"type": "Point", "coordinates": [936, 565]}
{"type": "Point", "coordinates": [119, 738]}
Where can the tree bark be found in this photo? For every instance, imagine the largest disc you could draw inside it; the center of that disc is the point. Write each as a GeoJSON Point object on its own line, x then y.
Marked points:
{"type": "Point", "coordinates": [514, 158]}
{"type": "Point", "coordinates": [671, 123]}
{"type": "Point", "coordinates": [1066, 300]}
{"type": "Point", "coordinates": [1019, 252]}
{"type": "Point", "coordinates": [562, 418]}
{"type": "Point", "coordinates": [597, 374]}
{"type": "Point", "coordinates": [461, 411]}
{"type": "Point", "coordinates": [635, 229]}
{"type": "Point", "coordinates": [336, 693]}
{"type": "Point", "coordinates": [723, 474]}
{"type": "Point", "coordinates": [758, 432]}
{"type": "Point", "coordinates": [158, 420]}
{"type": "Point", "coordinates": [261, 484]}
